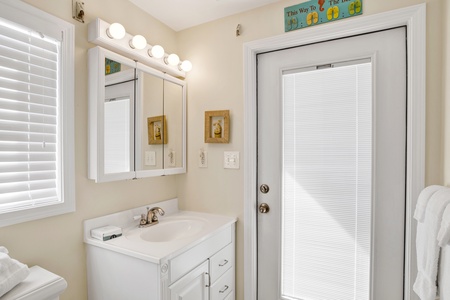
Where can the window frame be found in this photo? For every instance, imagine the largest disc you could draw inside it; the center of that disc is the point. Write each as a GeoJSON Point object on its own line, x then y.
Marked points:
{"type": "Point", "coordinates": [31, 17]}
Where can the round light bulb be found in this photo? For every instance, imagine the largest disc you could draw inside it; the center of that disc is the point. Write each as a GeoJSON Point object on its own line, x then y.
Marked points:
{"type": "Point", "coordinates": [186, 66]}
{"type": "Point", "coordinates": [173, 59]}
{"type": "Point", "coordinates": [116, 31]}
{"type": "Point", "coordinates": [138, 42]}
{"type": "Point", "coordinates": [157, 51]}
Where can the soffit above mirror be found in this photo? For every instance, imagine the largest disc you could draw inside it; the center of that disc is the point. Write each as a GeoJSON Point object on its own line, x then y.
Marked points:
{"type": "Point", "coordinates": [181, 14]}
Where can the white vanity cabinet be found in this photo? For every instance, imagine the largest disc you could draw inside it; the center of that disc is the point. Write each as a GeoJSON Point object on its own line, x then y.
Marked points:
{"type": "Point", "coordinates": [197, 268]}
{"type": "Point", "coordinates": [213, 279]}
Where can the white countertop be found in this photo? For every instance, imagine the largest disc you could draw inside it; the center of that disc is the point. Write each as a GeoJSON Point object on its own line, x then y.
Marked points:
{"type": "Point", "coordinates": [131, 244]}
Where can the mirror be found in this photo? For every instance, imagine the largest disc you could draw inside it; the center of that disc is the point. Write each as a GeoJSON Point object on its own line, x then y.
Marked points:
{"type": "Point", "coordinates": [136, 119]}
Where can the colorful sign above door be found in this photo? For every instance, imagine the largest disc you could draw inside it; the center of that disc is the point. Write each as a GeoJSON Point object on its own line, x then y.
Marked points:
{"type": "Point", "coordinates": [316, 12]}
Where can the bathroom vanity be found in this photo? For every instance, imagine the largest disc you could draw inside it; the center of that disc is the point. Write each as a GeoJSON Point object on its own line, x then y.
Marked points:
{"type": "Point", "coordinates": [186, 256]}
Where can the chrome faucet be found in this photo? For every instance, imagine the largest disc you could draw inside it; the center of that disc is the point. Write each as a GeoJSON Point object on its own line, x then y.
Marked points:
{"type": "Point", "coordinates": [152, 217]}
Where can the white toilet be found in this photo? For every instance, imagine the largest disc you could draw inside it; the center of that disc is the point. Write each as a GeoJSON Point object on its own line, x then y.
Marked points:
{"type": "Point", "coordinates": [39, 285]}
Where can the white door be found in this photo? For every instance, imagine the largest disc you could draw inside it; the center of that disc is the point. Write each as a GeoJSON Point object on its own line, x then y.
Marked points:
{"type": "Point", "coordinates": [331, 169]}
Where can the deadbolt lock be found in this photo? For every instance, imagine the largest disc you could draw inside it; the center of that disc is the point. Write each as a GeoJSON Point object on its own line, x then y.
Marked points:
{"type": "Point", "coordinates": [264, 188]}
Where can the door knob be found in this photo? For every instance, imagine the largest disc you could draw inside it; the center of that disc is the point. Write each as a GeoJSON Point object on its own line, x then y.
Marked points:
{"type": "Point", "coordinates": [264, 208]}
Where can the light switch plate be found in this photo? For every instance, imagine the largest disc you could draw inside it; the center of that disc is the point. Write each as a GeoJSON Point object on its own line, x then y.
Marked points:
{"type": "Point", "coordinates": [231, 160]}
{"type": "Point", "coordinates": [150, 158]}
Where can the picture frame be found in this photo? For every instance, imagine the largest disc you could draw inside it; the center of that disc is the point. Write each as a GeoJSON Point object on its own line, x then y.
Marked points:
{"type": "Point", "coordinates": [217, 126]}
{"type": "Point", "coordinates": [157, 130]}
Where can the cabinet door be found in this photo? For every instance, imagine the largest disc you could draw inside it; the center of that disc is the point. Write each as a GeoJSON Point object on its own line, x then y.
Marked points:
{"type": "Point", "coordinates": [192, 286]}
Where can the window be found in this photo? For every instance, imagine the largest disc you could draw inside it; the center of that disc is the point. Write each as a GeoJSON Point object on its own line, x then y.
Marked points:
{"type": "Point", "coordinates": [36, 114]}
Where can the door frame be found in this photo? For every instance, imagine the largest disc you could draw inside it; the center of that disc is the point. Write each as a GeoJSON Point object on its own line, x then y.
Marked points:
{"type": "Point", "coordinates": [414, 18]}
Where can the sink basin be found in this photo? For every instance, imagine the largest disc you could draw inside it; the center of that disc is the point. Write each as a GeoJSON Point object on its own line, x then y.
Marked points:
{"type": "Point", "coordinates": [170, 230]}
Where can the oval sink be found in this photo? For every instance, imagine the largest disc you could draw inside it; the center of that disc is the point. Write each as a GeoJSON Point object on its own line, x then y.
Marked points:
{"type": "Point", "coordinates": [172, 230]}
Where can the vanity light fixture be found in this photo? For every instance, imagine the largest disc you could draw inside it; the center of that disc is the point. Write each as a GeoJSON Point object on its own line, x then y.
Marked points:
{"type": "Point", "coordinates": [172, 59]}
{"type": "Point", "coordinates": [115, 31]}
{"type": "Point", "coordinates": [185, 65]}
{"type": "Point", "coordinates": [138, 42]}
{"type": "Point", "coordinates": [156, 51]}
{"type": "Point", "coordinates": [115, 38]}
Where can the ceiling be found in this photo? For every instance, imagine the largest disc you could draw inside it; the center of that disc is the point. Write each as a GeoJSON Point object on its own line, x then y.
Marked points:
{"type": "Point", "coordinates": [182, 14]}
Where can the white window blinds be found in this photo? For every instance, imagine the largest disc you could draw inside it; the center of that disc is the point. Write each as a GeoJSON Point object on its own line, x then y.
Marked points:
{"type": "Point", "coordinates": [327, 184]}
{"type": "Point", "coordinates": [30, 162]}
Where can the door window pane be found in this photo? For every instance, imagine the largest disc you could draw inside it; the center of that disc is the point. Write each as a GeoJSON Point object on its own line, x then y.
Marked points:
{"type": "Point", "coordinates": [327, 183]}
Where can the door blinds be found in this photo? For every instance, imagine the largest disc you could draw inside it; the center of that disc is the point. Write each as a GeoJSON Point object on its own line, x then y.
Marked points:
{"type": "Point", "coordinates": [327, 184]}
{"type": "Point", "coordinates": [29, 116]}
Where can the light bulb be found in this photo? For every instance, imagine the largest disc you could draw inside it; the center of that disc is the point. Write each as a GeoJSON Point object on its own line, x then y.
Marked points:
{"type": "Point", "coordinates": [138, 42]}
{"type": "Point", "coordinates": [115, 31]}
{"type": "Point", "coordinates": [156, 51]}
{"type": "Point", "coordinates": [186, 66]}
{"type": "Point", "coordinates": [172, 59]}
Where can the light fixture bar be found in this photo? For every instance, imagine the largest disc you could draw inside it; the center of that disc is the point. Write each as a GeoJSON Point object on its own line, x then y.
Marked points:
{"type": "Point", "coordinates": [97, 34]}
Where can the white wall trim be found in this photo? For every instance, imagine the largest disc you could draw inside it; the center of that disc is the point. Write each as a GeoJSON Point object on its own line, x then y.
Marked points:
{"type": "Point", "coordinates": [414, 18]}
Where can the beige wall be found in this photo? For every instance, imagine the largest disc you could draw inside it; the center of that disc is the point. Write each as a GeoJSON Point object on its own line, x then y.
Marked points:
{"type": "Point", "coordinates": [57, 243]}
{"type": "Point", "coordinates": [215, 83]}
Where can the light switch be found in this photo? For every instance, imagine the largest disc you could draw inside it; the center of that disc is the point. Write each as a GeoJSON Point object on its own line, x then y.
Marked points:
{"type": "Point", "coordinates": [231, 160]}
{"type": "Point", "coordinates": [150, 158]}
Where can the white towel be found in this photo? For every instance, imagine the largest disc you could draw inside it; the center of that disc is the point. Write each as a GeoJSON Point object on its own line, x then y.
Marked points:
{"type": "Point", "coordinates": [12, 272]}
{"type": "Point", "coordinates": [422, 201]}
{"type": "Point", "coordinates": [427, 245]}
{"type": "Point", "coordinates": [444, 233]}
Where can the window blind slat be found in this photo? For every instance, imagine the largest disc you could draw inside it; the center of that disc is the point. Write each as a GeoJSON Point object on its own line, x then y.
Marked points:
{"type": "Point", "coordinates": [21, 157]}
{"type": "Point", "coordinates": [26, 107]}
{"type": "Point", "coordinates": [26, 77]}
{"type": "Point", "coordinates": [25, 87]}
{"type": "Point", "coordinates": [27, 147]}
{"type": "Point", "coordinates": [11, 167]}
{"type": "Point", "coordinates": [27, 127]}
{"type": "Point", "coordinates": [11, 95]}
{"type": "Point", "coordinates": [28, 58]}
{"type": "Point", "coordinates": [37, 196]}
{"type": "Point", "coordinates": [25, 47]}
{"type": "Point", "coordinates": [27, 37]}
{"type": "Point", "coordinates": [27, 117]}
{"type": "Point", "coordinates": [25, 67]}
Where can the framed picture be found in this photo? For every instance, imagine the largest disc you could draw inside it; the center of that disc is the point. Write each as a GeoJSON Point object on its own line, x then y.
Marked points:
{"type": "Point", "coordinates": [157, 130]}
{"type": "Point", "coordinates": [217, 126]}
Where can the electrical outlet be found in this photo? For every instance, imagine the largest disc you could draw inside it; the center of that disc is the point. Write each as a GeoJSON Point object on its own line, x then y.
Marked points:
{"type": "Point", "coordinates": [231, 160]}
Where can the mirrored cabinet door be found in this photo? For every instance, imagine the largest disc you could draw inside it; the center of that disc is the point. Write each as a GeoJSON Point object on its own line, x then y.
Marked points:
{"type": "Point", "coordinates": [150, 121]}
{"type": "Point", "coordinates": [111, 116]}
{"type": "Point", "coordinates": [173, 110]}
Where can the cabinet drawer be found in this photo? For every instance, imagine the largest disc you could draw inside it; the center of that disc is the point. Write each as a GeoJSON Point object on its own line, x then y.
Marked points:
{"type": "Point", "coordinates": [223, 286]}
{"type": "Point", "coordinates": [188, 260]}
{"type": "Point", "coordinates": [221, 262]}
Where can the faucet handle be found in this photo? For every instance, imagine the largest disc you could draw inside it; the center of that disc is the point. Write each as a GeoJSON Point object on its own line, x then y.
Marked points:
{"type": "Point", "coordinates": [155, 210]}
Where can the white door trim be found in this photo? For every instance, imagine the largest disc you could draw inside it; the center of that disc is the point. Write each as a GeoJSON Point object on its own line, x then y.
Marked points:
{"type": "Point", "coordinates": [414, 18]}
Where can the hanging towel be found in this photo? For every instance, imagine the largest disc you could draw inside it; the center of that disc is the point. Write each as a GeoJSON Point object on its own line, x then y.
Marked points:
{"type": "Point", "coordinates": [427, 245]}
{"type": "Point", "coordinates": [444, 273]}
{"type": "Point", "coordinates": [444, 233]}
{"type": "Point", "coordinates": [12, 272]}
{"type": "Point", "coordinates": [423, 199]}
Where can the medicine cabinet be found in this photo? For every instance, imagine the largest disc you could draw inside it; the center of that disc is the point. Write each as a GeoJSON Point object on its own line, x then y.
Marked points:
{"type": "Point", "coordinates": [137, 119]}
